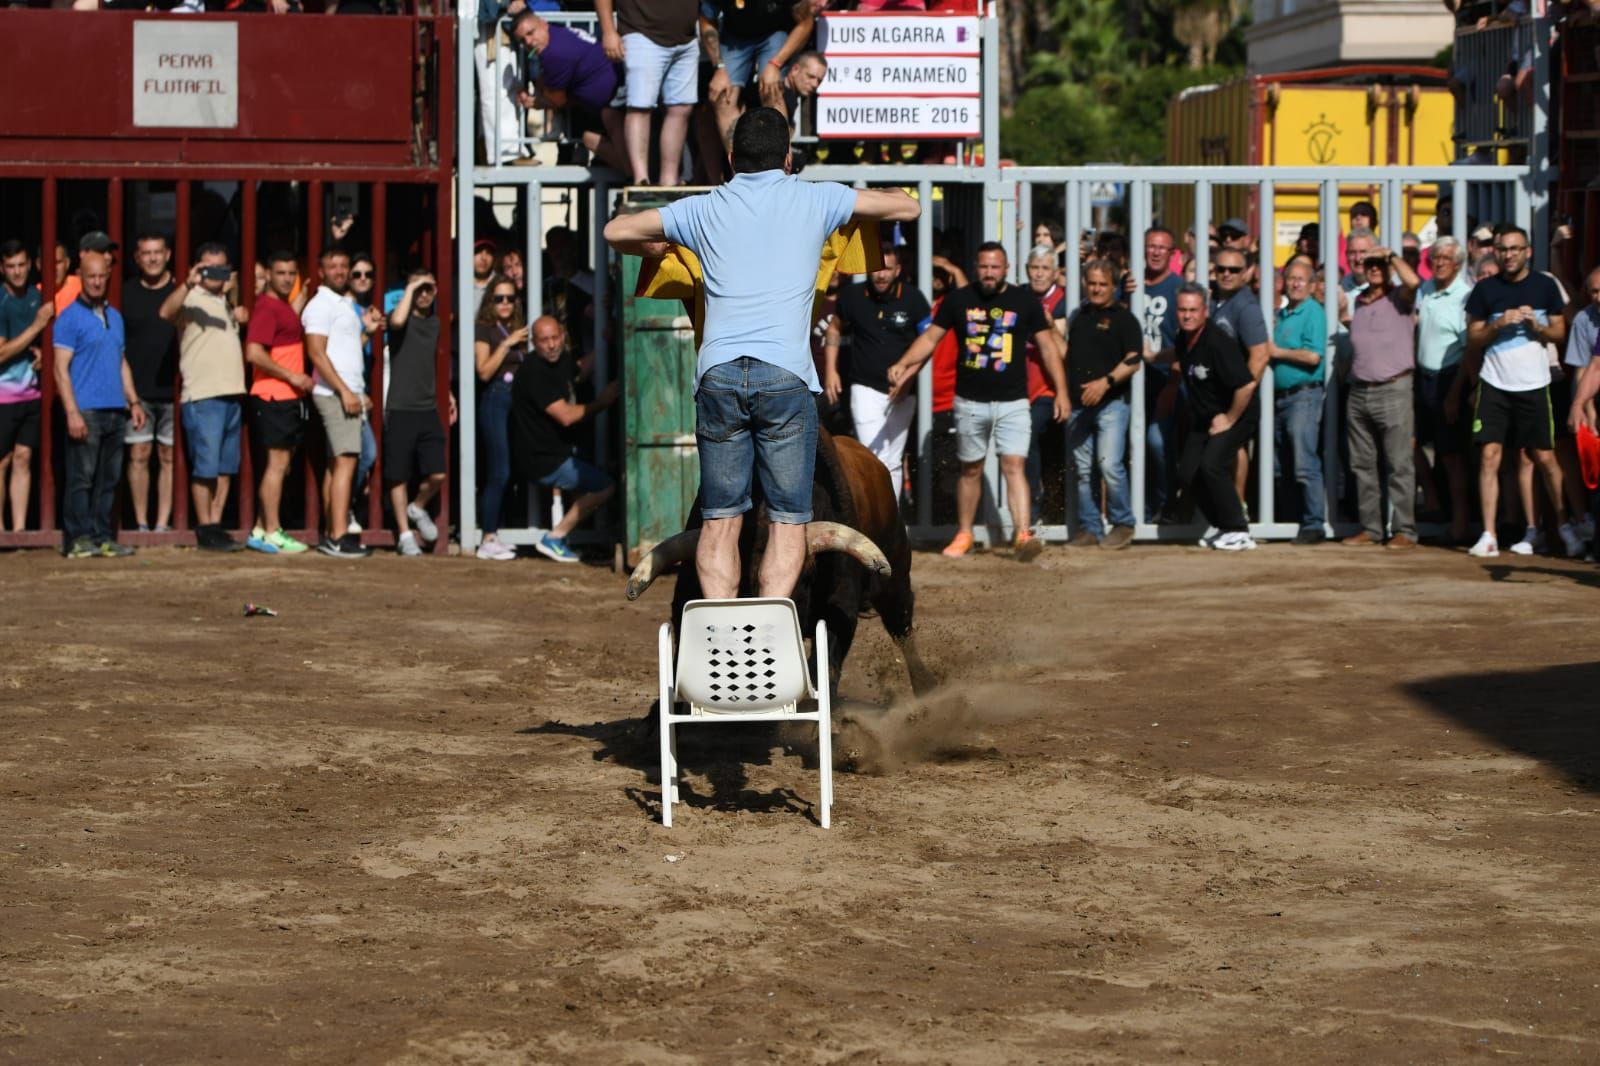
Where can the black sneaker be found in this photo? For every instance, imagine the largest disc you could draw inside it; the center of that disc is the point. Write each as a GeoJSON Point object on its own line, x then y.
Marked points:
{"type": "Point", "coordinates": [348, 546]}
{"type": "Point", "coordinates": [112, 550]}
{"type": "Point", "coordinates": [1310, 536]}
{"type": "Point", "coordinates": [212, 538]}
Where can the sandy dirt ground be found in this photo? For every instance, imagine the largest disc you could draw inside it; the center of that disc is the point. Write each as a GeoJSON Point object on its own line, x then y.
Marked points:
{"type": "Point", "coordinates": [1324, 805]}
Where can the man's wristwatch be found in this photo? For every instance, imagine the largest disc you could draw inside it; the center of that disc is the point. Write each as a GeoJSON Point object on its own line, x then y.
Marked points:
{"type": "Point", "coordinates": [1111, 379]}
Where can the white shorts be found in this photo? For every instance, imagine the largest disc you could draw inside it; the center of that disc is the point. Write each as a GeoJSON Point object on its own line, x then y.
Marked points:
{"type": "Point", "coordinates": [1007, 422]}
{"type": "Point", "coordinates": [654, 73]}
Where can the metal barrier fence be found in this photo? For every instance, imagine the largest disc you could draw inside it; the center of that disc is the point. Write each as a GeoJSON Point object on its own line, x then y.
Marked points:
{"type": "Point", "coordinates": [1480, 58]}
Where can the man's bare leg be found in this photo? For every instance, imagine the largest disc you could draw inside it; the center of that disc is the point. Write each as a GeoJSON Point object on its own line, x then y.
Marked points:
{"type": "Point", "coordinates": [636, 134]}
{"type": "Point", "coordinates": [168, 465]}
{"type": "Point", "coordinates": [272, 488]}
{"type": "Point", "coordinates": [1489, 485]}
{"type": "Point", "coordinates": [969, 490]}
{"type": "Point", "coordinates": [1550, 468]}
{"type": "Point", "coordinates": [139, 480]}
{"type": "Point", "coordinates": [674, 131]}
{"type": "Point", "coordinates": [343, 476]}
{"type": "Point", "coordinates": [716, 558]}
{"type": "Point", "coordinates": [21, 460]}
{"type": "Point", "coordinates": [784, 558]}
{"type": "Point", "coordinates": [582, 508]}
{"type": "Point", "coordinates": [1014, 468]}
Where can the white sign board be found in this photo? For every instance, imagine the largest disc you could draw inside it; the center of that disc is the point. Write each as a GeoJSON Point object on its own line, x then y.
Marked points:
{"type": "Point", "coordinates": [902, 76]}
{"type": "Point", "coordinates": [954, 118]}
{"type": "Point", "coordinates": [925, 35]}
{"type": "Point", "coordinates": [186, 74]}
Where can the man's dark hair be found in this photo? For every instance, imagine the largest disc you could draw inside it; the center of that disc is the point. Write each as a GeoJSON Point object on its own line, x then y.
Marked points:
{"type": "Point", "coordinates": [211, 248]}
{"type": "Point", "coordinates": [1364, 207]}
{"type": "Point", "coordinates": [332, 251]}
{"type": "Point", "coordinates": [760, 141]}
{"type": "Point", "coordinates": [11, 248]}
{"type": "Point", "coordinates": [1153, 230]}
{"type": "Point", "coordinates": [147, 236]}
{"type": "Point", "coordinates": [810, 53]}
{"type": "Point", "coordinates": [1509, 228]}
{"type": "Point", "coordinates": [990, 246]}
{"type": "Point", "coordinates": [282, 255]}
{"type": "Point", "coordinates": [362, 257]}
{"type": "Point", "coordinates": [417, 272]}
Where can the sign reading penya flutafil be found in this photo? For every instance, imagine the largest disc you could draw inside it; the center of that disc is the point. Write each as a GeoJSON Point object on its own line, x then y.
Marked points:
{"type": "Point", "coordinates": [945, 35]}
{"type": "Point", "coordinates": [186, 75]}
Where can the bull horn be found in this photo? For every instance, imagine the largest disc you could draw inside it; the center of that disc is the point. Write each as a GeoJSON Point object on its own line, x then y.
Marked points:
{"type": "Point", "coordinates": [676, 549]}
{"type": "Point", "coordinates": [837, 537]}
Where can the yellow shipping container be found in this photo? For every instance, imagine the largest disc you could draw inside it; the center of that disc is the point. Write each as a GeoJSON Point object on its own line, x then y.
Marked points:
{"type": "Point", "coordinates": [1350, 116]}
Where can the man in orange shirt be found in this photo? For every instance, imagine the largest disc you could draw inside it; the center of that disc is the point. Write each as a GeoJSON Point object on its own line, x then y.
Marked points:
{"type": "Point", "coordinates": [275, 348]}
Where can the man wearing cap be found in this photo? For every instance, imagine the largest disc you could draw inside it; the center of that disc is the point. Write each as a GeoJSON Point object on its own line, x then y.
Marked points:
{"type": "Point", "coordinates": [96, 390]}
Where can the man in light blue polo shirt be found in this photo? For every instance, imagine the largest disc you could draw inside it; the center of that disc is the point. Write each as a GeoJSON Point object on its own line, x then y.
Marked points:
{"type": "Point", "coordinates": [1441, 344]}
{"type": "Point", "coordinates": [1299, 341]}
{"type": "Point", "coordinates": [96, 390]}
{"type": "Point", "coordinates": [758, 239]}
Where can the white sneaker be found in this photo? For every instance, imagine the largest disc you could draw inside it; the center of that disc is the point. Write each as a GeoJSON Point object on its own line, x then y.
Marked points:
{"type": "Point", "coordinates": [1528, 544]}
{"type": "Point", "coordinates": [1235, 542]}
{"type": "Point", "coordinates": [495, 549]}
{"type": "Point", "coordinates": [408, 544]}
{"type": "Point", "coordinates": [1572, 540]}
{"type": "Point", "coordinates": [353, 525]}
{"type": "Point", "coordinates": [423, 521]}
{"type": "Point", "coordinates": [1486, 548]}
{"type": "Point", "coordinates": [1210, 537]}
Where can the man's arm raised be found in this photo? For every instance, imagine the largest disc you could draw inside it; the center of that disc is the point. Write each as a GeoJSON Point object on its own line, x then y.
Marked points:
{"type": "Point", "coordinates": [637, 234]}
{"type": "Point", "coordinates": [888, 205]}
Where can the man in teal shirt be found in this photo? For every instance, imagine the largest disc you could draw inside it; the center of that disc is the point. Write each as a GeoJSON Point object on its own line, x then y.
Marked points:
{"type": "Point", "coordinates": [1298, 342]}
{"type": "Point", "coordinates": [1441, 343]}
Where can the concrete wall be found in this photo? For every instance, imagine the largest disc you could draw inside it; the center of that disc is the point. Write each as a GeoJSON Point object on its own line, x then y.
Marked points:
{"type": "Point", "coordinates": [1291, 35]}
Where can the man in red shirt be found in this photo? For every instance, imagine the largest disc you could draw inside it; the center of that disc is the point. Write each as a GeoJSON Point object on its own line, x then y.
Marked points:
{"type": "Point", "coordinates": [275, 348]}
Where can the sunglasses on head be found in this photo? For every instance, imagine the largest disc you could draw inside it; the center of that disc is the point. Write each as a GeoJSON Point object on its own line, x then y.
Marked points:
{"type": "Point", "coordinates": [1229, 270]}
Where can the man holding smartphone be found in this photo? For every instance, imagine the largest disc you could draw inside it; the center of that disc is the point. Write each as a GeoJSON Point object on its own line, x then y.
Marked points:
{"type": "Point", "coordinates": [211, 363]}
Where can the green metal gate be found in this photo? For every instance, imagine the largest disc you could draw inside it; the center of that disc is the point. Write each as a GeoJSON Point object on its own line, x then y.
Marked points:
{"type": "Point", "coordinates": [662, 468]}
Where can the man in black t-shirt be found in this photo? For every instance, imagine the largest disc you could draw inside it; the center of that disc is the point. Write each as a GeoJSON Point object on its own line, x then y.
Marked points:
{"type": "Point", "coordinates": [413, 435]}
{"type": "Point", "coordinates": [153, 359]}
{"type": "Point", "coordinates": [1219, 386]}
{"type": "Point", "coordinates": [1104, 346]}
{"type": "Point", "coordinates": [996, 321]}
{"type": "Point", "coordinates": [881, 316]}
{"type": "Point", "coordinates": [544, 408]}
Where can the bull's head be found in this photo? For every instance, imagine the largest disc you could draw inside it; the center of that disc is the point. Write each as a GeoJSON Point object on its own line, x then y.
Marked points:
{"type": "Point", "coordinates": [820, 537]}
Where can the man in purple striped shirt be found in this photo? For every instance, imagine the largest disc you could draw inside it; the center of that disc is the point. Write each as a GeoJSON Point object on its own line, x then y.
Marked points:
{"type": "Point", "coordinates": [1381, 420]}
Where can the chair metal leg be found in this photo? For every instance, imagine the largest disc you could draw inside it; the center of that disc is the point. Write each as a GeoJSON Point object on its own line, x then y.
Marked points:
{"type": "Point", "coordinates": [824, 725]}
{"type": "Point", "coordinates": [669, 771]}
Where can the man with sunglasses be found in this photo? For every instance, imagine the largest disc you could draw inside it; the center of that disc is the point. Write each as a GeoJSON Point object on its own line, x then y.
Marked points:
{"type": "Point", "coordinates": [1236, 312]}
{"type": "Point", "coordinates": [1510, 318]}
{"type": "Point", "coordinates": [1381, 416]}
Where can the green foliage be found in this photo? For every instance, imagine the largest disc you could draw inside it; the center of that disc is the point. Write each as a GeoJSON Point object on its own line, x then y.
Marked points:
{"type": "Point", "coordinates": [1110, 118]}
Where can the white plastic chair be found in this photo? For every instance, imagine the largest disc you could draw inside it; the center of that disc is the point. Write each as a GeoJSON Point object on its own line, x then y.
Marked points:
{"type": "Point", "coordinates": [741, 661]}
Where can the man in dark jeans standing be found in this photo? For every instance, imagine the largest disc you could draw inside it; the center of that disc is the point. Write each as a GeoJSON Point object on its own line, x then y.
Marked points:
{"type": "Point", "coordinates": [96, 390]}
{"type": "Point", "coordinates": [1220, 388]}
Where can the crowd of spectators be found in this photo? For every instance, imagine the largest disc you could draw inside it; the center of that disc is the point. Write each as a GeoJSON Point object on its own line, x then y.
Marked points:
{"type": "Point", "coordinates": [1442, 358]}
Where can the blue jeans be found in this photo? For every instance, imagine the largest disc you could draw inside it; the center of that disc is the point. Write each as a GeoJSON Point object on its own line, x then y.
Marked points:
{"type": "Point", "coordinates": [494, 425]}
{"type": "Point", "coordinates": [1101, 432]}
{"type": "Point", "coordinates": [1042, 412]}
{"type": "Point", "coordinates": [94, 467]}
{"type": "Point", "coordinates": [1158, 436]}
{"type": "Point", "coordinates": [368, 456]}
{"type": "Point", "coordinates": [1298, 427]}
{"type": "Point", "coordinates": [752, 416]}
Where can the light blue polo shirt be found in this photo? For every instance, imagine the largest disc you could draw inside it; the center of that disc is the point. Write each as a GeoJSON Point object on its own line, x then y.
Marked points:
{"type": "Point", "coordinates": [1442, 323]}
{"type": "Point", "coordinates": [96, 344]}
{"type": "Point", "coordinates": [1305, 326]}
{"type": "Point", "coordinates": [759, 240]}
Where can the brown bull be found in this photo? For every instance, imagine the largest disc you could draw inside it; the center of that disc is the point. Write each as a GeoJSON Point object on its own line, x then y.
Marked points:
{"type": "Point", "coordinates": [857, 554]}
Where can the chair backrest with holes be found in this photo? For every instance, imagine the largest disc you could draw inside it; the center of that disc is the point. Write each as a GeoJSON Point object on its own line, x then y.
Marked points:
{"type": "Point", "coordinates": [739, 656]}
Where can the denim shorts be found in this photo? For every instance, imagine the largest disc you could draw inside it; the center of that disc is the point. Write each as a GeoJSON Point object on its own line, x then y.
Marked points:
{"type": "Point", "coordinates": [655, 73]}
{"type": "Point", "coordinates": [1007, 422]}
{"type": "Point", "coordinates": [754, 417]}
{"type": "Point", "coordinates": [746, 58]}
{"type": "Point", "coordinates": [575, 475]}
{"type": "Point", "coordinates": [211, 429]}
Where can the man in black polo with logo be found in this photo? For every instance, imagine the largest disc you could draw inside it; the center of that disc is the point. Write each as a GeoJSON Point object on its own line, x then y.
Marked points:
{"type": "Point", "coordinates": [1104, 350]}
{"type": "Point", "coordinates": [882, 316]}
{"type": "Point", "coordinates": [995, 321]}
{"type": "Point", "coordinates": [1220, 388]}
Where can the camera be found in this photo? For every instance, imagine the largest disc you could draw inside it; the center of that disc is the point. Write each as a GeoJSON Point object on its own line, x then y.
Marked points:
{"type": "Point", "coordinates": [216, 273]}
